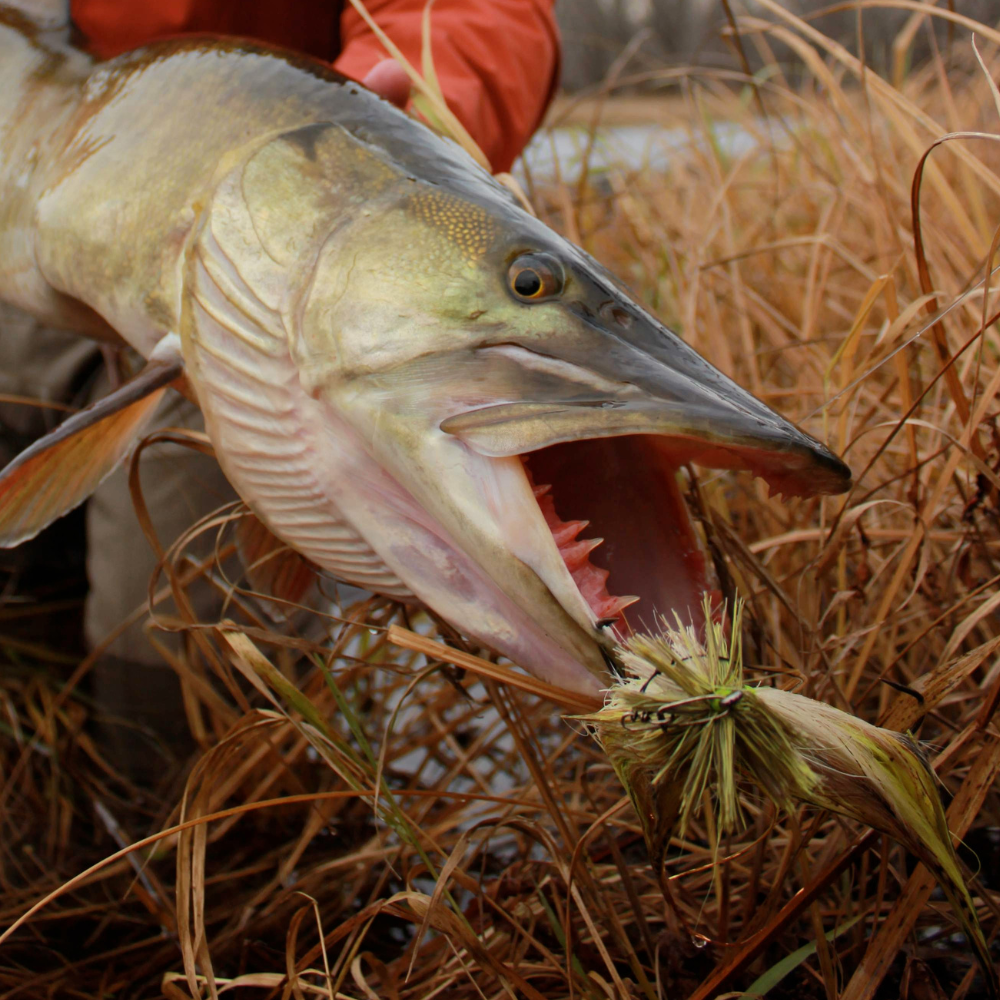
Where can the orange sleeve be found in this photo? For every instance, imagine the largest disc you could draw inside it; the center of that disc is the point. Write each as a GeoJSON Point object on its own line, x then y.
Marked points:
{"type": "Point", "coordinates": [497, 61]}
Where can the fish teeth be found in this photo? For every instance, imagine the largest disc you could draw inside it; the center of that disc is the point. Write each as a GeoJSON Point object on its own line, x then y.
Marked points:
{"type": "Point", "coordinates": [609, 610]}
{"type": "Point", "coordinates": [590, 580]}
{"type": "Point", "coordinates": [575, 554]}
{"type": "Point", "coordinates": [567, 531]}
{"type": "Point", "coordinates": [616, 605]}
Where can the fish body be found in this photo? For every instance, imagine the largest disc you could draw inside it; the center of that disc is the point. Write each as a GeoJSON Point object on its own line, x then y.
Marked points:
{"type": "Point", "coordinates": [409, 379]}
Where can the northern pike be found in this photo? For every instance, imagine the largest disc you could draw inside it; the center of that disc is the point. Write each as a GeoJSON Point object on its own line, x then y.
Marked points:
{"type": "Point", "coordinates": [411, 381]}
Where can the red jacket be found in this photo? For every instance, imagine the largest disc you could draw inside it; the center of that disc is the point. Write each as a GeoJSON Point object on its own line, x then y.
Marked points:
{"type": "Point", "coordinates": [496, 60]}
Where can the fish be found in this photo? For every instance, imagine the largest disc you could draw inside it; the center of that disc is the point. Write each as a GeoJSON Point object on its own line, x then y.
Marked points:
{"type": "Point", "coordinates": [412, 382]}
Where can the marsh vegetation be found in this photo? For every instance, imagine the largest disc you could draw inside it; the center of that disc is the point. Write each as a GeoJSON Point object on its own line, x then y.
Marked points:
{"type": "Point", "coordinates": [369, 819]}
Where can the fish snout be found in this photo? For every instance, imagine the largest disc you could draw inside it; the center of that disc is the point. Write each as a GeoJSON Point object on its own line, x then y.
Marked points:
{"type": "Point", "coordinates": [698, 413]}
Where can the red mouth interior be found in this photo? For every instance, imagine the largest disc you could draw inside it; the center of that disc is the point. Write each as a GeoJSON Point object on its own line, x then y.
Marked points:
{"type": "Point", "coordinates": [623, 490]}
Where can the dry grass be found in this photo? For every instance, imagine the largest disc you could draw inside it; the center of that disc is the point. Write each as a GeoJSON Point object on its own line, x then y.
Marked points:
{"type": "Point", "coordinates": [386, 826]}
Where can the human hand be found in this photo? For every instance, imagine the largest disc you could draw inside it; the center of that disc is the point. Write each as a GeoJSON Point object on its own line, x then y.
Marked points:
{"type": "Point", "coordinates": [389, 80]}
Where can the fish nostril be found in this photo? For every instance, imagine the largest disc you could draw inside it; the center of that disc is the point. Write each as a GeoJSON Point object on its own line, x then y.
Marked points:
{"type": "Point", "coordinates": [616, 314]}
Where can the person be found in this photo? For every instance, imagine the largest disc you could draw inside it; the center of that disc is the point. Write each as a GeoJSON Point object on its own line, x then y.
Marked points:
{"type": "Point", "coordinates": [497, 62]}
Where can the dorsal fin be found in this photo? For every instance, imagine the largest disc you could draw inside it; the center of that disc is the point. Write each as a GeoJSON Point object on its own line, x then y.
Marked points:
{"type": "Point", "coordinates": [59, 471]}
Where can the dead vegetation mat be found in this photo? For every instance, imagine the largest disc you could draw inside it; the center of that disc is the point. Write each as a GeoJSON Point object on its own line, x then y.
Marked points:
{"type": "Point", "coordinates": [364, 820]}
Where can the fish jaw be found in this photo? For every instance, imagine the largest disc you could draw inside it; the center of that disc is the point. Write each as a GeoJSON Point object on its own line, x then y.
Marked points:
{"type": "Point", "coordinates": [599, 523]}
{"type": "Point", "coordinates": [609, 389]}
{"type": "Point", "coordinates": [534, 542]}
{"type": "Point", "coordinates": [696, 434]}
{"type": "Point", "coordinates": [294, 452]}
{"type": "Point", "coordinates": [310, 477]}
{"type": "Point", "coordinates": [610, 462]}
{"type": "Point", "coordinates": [475, 434]}
{"type": "Point", "coordinates": [487, 510]}
{"type": "Point", "coordinates": [608, 427]}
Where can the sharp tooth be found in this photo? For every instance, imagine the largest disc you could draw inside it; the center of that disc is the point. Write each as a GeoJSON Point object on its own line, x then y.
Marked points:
{"type": "Point", "coordinates": [567, 531]}
{"type": "Point", "coordinates": [617, 605]}
{"type": "Point", "coordinates": [575, 555]}
{"type": "Point", "coordinates": [540, 491]}
{"type": "Point", "coordinates": [610, 609]}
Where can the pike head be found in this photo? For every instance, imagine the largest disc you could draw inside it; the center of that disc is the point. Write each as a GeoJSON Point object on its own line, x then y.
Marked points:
{"type": "Point", "coordinates": [497, 417]}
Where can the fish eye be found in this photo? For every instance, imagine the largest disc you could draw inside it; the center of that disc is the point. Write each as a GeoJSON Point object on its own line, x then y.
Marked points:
{"type": "Point", "coordinates": [535, 276]}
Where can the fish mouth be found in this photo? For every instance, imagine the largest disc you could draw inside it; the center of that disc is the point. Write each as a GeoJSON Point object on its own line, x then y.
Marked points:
{"type": "Point", "coordinates": [624, 553]}
{"type": "Point", "coordinates": [614, 509]}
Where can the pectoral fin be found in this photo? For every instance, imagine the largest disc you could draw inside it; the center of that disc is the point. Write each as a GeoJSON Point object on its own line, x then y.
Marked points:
{"type": "Point", "coordinates": [59, 471]}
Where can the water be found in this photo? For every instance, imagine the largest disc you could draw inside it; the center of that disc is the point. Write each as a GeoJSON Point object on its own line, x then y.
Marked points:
{"type": "Point", "coordinates": [631, 146]}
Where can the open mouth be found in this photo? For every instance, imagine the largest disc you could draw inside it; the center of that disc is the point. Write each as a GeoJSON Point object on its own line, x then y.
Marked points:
{"type": "Point", "coordinates": [604, 474]}
{"type": "Point", "coordinates": [619, 521]}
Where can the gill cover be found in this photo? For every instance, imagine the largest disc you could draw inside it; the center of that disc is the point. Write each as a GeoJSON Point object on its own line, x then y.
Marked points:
{"type": "Point", "coordinates": [247, 272]}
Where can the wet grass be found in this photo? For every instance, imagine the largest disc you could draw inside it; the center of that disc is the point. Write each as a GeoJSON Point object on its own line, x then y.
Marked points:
{"type": "Point", "coordinates": [368, 820]}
